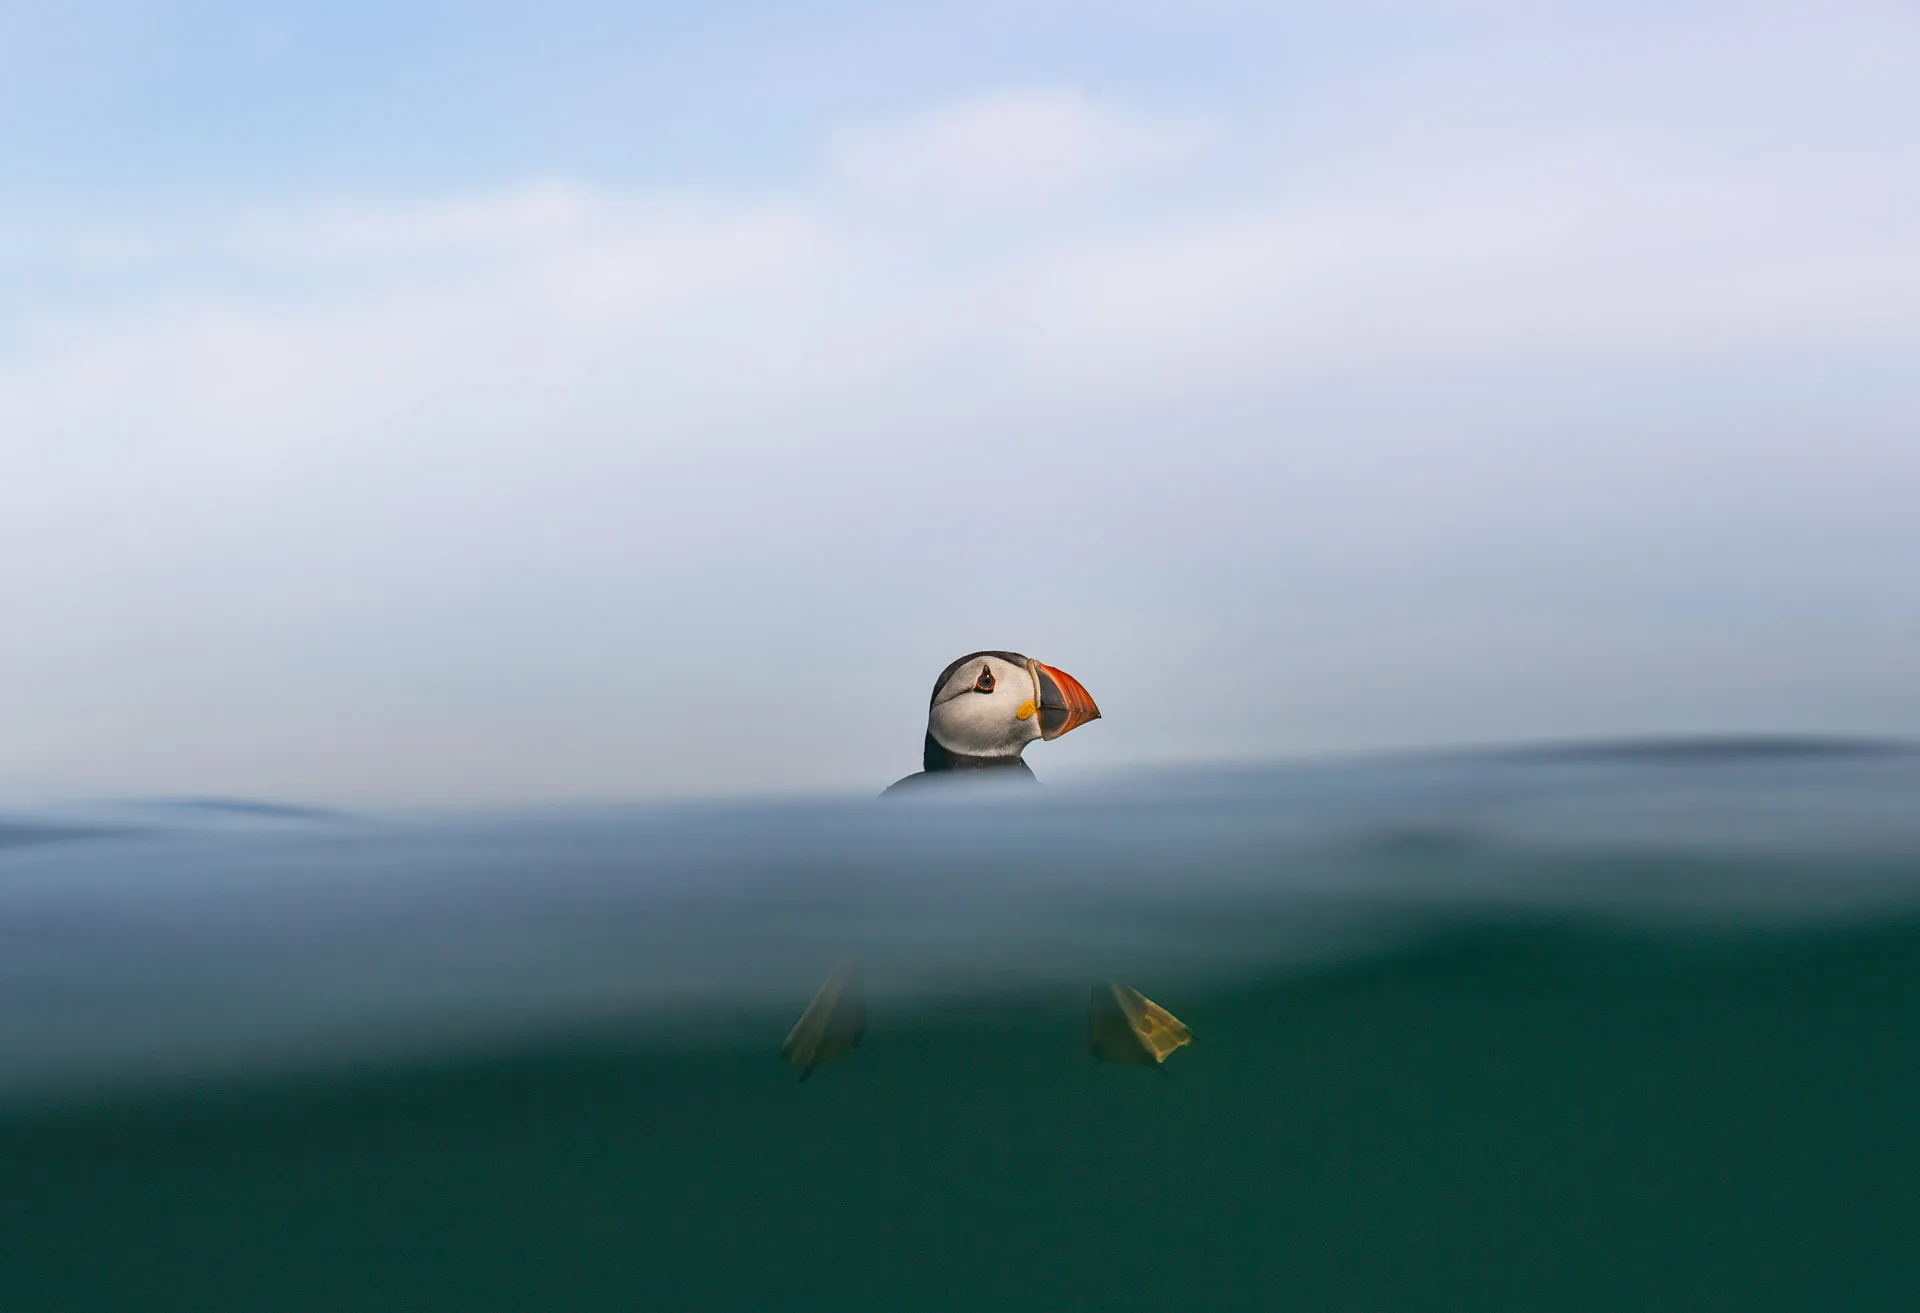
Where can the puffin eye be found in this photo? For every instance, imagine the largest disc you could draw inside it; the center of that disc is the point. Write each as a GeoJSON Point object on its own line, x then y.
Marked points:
{"type": "Point", "coordinates": [984, 684]}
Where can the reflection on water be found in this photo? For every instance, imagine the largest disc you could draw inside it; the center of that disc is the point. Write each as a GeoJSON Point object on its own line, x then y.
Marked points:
{"type": "Point", "coordinates": [1558, 1029]}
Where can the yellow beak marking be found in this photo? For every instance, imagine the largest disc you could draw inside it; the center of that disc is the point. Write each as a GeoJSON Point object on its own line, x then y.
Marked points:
{"type": "Point", "coordinates": [1026, 710]}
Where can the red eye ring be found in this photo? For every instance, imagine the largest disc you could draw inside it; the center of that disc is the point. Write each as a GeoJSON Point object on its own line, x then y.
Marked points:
{"type": "Point", "coordinates": [984, 684]}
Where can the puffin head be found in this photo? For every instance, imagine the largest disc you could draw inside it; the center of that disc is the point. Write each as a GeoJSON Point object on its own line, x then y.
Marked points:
{"type": "Point", "coordinates": [988, 706]}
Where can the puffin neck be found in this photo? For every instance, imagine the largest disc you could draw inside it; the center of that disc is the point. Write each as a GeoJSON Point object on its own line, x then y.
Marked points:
{"type": "Point", "coordinates": [937, 758]}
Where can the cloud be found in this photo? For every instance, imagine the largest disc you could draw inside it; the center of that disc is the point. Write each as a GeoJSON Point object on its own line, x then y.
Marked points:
{"type": "Point", "coordinates": [1410, 390]}
{"type": "Point", "coordinates": [1013, 148]}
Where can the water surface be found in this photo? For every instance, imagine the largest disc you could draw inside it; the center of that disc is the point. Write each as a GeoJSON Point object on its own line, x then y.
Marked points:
{"type": "Point", "coordinates": [1608, 1028]}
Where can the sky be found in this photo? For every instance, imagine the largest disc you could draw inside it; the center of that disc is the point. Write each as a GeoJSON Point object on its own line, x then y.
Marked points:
{"type": "Point", "coordinates": [441, 404]}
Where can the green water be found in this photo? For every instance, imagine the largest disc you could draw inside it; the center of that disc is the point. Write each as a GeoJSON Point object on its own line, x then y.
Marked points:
{"type": "Point", "coordinates": [1553, 1031]}
{"type": "Point", "coordinates": [1524, 1118]}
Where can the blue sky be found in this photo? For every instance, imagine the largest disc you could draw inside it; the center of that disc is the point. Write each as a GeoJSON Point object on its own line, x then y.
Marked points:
{"type": "Point", "coordinates": [434, 403]}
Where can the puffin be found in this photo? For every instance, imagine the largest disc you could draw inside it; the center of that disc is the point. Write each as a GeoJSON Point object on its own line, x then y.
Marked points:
{"type": "Point", "coordinates": [987, 706]}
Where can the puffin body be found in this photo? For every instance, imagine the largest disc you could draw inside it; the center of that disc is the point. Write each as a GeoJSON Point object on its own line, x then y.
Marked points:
{"type": "Point", "coordinates": [986, 708]}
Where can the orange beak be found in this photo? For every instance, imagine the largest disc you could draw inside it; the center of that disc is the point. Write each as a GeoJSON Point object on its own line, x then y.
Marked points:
{"type": "Point", "coordinates": [1064, 704]}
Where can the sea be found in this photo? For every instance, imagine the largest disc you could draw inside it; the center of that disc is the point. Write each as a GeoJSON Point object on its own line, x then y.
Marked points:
{"type": "Point", "coordinates": [1626, 1026]}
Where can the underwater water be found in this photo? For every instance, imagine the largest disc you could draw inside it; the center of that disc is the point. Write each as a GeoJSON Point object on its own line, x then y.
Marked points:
{"type": "Point", "coordinates": [1633, 1027]}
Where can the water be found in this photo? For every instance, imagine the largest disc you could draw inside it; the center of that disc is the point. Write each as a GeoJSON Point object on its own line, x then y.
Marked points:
{"type": "Point", "coordinates": [1580, 1029]}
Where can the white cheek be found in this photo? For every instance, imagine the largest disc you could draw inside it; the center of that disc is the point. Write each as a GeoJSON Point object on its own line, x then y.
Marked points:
{"type": "Point", "coordinates": [983, 725]}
